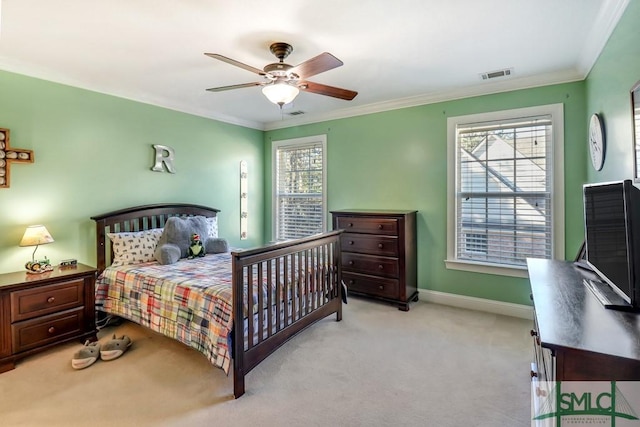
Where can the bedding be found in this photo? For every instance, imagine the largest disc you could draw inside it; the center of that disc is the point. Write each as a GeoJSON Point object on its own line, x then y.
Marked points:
{"type": "Point", "coordinates": [134, 247]}
{"type": "Point", "coordinates": [189, 301]}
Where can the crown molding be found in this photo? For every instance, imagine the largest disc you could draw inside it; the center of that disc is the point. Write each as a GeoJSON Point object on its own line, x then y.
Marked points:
{"type": "Point", "coordinates": [54, 77]}
{"type": "Point", "coordinates": [507, 85]}
{"type": "Point", "coordinates": [608, 17]}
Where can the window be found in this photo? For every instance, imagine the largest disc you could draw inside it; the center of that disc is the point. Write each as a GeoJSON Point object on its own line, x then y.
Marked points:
{"type": "Point", "coordinates": [299, 182]}
{"type": "Point", "coordinates": [475, 243]}
{"type": "Point", "coordinates": [505, 189]}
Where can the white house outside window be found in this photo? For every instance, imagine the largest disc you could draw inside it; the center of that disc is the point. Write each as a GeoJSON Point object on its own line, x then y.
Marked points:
{"type": "Point", "coordinates": [299, 182]}
{"type": "Point", "coordinates": [505, 189]}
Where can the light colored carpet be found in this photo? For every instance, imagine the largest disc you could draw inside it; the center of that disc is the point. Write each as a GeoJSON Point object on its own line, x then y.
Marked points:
{"type": "Point", "coordinates": [431, 366]}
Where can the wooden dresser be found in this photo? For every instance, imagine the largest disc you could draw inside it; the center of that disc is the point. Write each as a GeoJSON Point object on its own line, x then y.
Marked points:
{"type": "Point", "coordinates": [575, 337]}
{"type": "Point", "coordinates": [38, 311]}
{"type": "Point", "coordinates": [379, 254]}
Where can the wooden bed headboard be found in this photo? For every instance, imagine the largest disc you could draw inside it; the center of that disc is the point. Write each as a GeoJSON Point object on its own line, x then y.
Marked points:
{"type": "Point", "coordinates": [139, 218]}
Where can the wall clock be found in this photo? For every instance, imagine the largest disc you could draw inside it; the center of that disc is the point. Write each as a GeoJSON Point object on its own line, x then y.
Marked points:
{"type": "Point", "coordinates": [596, 142]}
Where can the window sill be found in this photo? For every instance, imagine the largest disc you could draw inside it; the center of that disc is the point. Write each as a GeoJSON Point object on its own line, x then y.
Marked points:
{"type": "Point", "coordinates": [486, 268]}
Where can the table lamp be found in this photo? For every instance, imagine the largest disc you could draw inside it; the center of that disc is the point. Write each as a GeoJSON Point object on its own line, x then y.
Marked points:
{"type": "Point", "coordinates": [36, 235]}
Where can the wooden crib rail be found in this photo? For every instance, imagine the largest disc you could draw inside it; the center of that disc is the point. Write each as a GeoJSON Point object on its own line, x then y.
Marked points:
{"type": "Point", "coordinates": [303, 278]}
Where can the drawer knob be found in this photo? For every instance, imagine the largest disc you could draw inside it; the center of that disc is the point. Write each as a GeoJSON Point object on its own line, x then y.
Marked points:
{"type": "Point", "coordinates": [51, 300]}
{"type": "Point", "coordinates": [534, 374]}
{"type": "Point", "coordinates": [380, 245]}
{"type": "Point", "coordinates": [381, 287]}
{"type": "Point", "coordinates": [350, 225]}
{"type": "Point", "coordinates": [379, 226]}
{"type": "Point", "coordinates": [381, 267]}
{"type": "Point", "coordinates": [350, 262]}
{"type": "Point", "coordinates": [51, 330]}
{"type": "Point", "coordinates": [351, 242]}
{"type": "Point", "coordinates": [351, 282]}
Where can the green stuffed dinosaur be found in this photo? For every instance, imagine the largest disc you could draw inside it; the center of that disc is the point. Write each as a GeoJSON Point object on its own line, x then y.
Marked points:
{"type": "Point", "coordinates": [196, 249]}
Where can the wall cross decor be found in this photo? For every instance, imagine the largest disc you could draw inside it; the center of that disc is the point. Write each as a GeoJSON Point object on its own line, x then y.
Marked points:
{"type": "Point", "coordinates": [10, 155]}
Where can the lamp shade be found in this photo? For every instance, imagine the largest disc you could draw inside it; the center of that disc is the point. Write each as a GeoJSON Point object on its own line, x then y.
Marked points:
{"type": "Point", "coordinates": [280, 93]}
{"type": "Point", "coordinates": [36, 235]}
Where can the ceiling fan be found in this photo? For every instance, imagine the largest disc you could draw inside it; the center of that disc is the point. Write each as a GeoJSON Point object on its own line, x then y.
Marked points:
{"type": "Point", "coordinates": [282, 82]}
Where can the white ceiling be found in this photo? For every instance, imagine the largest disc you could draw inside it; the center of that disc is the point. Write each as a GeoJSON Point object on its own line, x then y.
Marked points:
{"type": "Point", "coordinates": [396, 53]}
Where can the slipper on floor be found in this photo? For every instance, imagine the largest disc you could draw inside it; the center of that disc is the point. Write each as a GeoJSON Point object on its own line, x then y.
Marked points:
{"type": "Point", "coordinates": [86, 356]}
{"type": "Point", "coordinates": [115, 347]}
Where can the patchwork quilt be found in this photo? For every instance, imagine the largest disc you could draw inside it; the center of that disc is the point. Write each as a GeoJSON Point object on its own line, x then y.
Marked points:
{"type": "Point", "coordinates": [190, 301]}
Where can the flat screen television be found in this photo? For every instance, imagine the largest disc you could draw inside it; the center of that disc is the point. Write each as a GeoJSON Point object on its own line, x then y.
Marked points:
{"type": "Point", "coordinates": [612, 240]}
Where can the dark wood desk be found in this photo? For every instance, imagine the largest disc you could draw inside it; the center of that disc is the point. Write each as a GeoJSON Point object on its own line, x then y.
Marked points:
{"type": "Point", "coordinates": [576, 338]}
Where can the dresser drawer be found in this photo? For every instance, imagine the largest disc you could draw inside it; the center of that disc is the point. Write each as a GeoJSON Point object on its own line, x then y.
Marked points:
{"type": "Point", "coordinates": [377, 286]}
{"type": "Point", "coordinates": [385, 226]}
{"type": "Point", "coordinates": [44, 330]}
{"type": "Point", "coordinates": [375, 265]}
{"type": "Point", "coordinates": [369, 244]}
{"type": "Point", "coordinates": [29, 303]}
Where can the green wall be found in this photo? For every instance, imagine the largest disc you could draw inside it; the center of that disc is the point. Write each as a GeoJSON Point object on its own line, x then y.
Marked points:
{"type": "Point", "coordinates": [608, 89]}
{"type": "Point", "coordinates": [93, 154]}
{"type": "Point", "coordinates": [397, 160]}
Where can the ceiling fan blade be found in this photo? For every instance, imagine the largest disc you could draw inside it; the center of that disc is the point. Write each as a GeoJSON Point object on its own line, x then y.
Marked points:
{"type": "Point", "coordinates": [321, 89]}
{"type": "Point", "coordinates": [319, 64]}
{"type": "Point", "coordinates": [221, 88]}
{"type": "Point", "coordinates": [236, 63]}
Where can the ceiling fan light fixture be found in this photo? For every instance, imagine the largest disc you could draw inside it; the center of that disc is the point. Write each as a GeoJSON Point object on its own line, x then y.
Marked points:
{"type": "Point", "coordinates": [280, 93]}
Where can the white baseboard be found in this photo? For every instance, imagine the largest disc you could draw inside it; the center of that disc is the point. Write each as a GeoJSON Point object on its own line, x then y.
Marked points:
{"type": "Point", "coordinates": [480, 304]}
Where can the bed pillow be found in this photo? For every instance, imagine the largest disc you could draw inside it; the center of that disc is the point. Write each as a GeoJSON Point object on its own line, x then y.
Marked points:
{"type": "Point", "coordinates": [216, 245]}
{"type": "Point", "coordinates": [176, 237]}
{"type": "Point", "coordinates": [134, 247]}
{"type": "Point", "coordinates": [213, 226]}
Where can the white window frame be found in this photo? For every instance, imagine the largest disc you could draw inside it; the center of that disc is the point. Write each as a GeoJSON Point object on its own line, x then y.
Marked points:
{"type": "Point", "coordinates": [296, 142]}
{"type": "Point", "coordinates": [556, 162]}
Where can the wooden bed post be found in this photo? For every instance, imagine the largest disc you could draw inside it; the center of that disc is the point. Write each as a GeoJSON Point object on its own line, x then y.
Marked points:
{"type": "Point", "coordinates": [238, 328]}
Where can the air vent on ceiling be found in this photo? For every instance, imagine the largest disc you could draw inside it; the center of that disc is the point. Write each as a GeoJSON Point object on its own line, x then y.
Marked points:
{"type": "Point", "coordinates": [496, 74]}
{"type": "Point", "coordinates": [296, 113]}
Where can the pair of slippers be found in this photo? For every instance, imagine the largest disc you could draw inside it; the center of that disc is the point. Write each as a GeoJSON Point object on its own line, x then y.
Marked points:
{"type": "Point", "coordinates": [92, 351]}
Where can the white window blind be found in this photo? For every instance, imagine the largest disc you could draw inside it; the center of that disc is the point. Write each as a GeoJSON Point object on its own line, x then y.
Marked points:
{"type": "Point", "coordinates": [504, 191]}
{"type": "Point", "coordinates": [299, 184]}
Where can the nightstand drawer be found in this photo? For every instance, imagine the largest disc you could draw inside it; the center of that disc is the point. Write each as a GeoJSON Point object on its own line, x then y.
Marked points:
{"type": "Point", "coordinates": [383, 226]}
{"type": "Point", "coordinates": [47, 329]}
{"type": "Point", "coordinates": [368, 264]}
{"type": "Point", "coordinates": [29, 303]}
{"type": "Point", "coordinates": [369, 244]}
{"type": "Point", "coordinates": [370, 285]}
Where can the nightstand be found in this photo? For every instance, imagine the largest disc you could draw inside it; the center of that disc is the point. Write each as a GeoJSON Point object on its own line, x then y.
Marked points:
{"type": "Point", "coordinates": [38, 311]}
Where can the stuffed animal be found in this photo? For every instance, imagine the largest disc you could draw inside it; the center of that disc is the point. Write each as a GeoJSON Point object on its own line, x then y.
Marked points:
{"type": "Point", "coordinates": [176, 239]}
{"type": "Point", "coordinates": [196, 249]}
